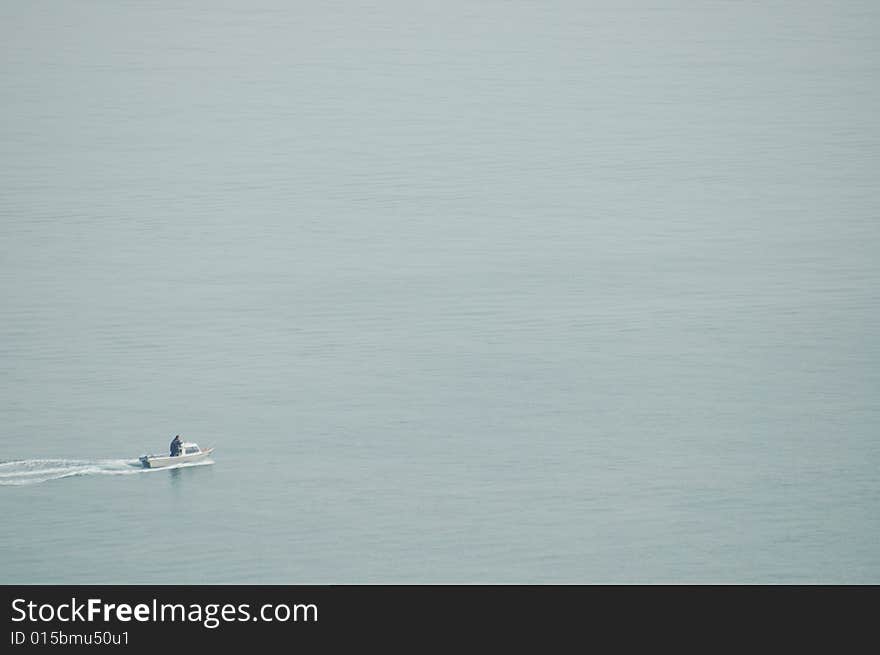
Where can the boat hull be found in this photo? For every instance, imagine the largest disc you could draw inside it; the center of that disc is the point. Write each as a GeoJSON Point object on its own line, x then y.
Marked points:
{"type": "Point", "coordinates": [163, 461]}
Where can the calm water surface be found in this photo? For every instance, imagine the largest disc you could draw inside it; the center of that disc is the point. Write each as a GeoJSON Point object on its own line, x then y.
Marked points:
{"type": "Point", "coordinates": [461, 292]}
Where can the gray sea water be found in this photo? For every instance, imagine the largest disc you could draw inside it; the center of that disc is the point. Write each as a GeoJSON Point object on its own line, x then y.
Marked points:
{"type": "Point", "coordinates": [566, 291]}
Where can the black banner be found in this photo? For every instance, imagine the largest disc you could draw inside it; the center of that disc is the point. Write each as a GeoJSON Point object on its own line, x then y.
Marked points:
{"type": "Point", "coordinates": [150, 618]}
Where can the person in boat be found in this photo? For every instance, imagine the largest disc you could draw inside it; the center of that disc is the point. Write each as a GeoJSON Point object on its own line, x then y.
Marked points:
{"type": "Point", "coordinates": [175, 446]}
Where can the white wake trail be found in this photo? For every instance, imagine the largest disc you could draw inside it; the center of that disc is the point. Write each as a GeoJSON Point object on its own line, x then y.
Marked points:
{"type": "Point", "coordinates": [35, 471]}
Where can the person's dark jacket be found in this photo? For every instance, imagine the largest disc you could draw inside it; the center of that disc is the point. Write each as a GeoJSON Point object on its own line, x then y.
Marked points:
{"type": "Point", "coordinates": [175, 447]}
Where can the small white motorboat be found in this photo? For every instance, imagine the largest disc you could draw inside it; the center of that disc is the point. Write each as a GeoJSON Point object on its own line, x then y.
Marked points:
{"type": "Point", "coordinates": [189, 452]}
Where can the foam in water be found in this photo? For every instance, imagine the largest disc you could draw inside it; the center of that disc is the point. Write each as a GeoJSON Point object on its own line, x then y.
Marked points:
{"type": "Point", "coordinates": [34, 471]}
